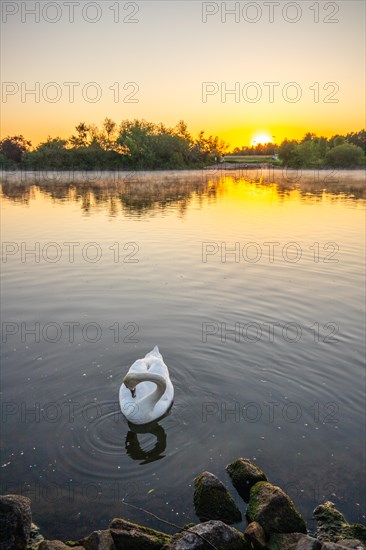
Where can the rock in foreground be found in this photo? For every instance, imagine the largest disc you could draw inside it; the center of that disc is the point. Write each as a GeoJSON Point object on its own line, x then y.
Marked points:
{"type": "Point", "coordinates": [244, 474]}
{"type": "Point", "coordinates": [56, 545]}
{"type": "Point", "coordinates": [219, 534]}
{"type": "Point", "coordinates": [130, 536]}
{"type": "Point", "coordinates": [99, 540]}
{"type": "Point", "coordinates": [15, 522]}
{"type": "Point", "coordinates": [256, 536]}
{"type": "Point", "coordinates": [274, 510]}
{"type": "Point", "coordinates": [213, 501]}
{"type": "Point", "coordinates": [333, 527]}
{"type": "Point", "coordinates": [293, 541]}
{"type": "Point", "coordinates": [343, 545]}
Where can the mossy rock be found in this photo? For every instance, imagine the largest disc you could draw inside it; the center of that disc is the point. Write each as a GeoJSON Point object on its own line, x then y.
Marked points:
{"type": "Point", "coordinates": [332, 526]}
{"type": "Point", "coordinates": [15, 521]}
{"type": "Point", "coordinates": [270, 506]}
{"type": "Point", "coordinates": [131, 536]}
{"type": "Point", "coordinates": [212, 500]}
{"type": "Point", "coordinates": [244, 474]}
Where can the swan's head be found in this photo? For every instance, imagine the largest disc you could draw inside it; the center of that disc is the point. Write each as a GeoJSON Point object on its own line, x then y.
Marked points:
{"type": "Point", "coordinates": [130, 383]}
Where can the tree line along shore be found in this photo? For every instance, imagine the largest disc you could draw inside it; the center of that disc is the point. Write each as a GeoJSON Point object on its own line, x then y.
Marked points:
{"type": "Point", "coordinates": [141, 145]}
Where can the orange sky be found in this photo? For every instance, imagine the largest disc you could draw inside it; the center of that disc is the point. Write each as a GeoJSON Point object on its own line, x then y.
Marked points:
{"type": "Point", "coordinates": [281, 69]}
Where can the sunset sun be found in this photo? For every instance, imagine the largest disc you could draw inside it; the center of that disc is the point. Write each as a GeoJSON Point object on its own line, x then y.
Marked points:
{"type": "Point", "coordinates": [261, 139]}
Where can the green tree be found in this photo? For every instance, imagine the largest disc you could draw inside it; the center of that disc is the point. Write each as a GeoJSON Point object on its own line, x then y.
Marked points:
{"type": "Point", "coordinates": [346, 155]}
{"type": "Point", "coordinates": [288, 153]}
{"type": "Point", "coordinates": [51, 154]}
{"type": "Point", "coordinates": [357, 138]}
{"type": "Point", "coordinates": [135, 139]}
{"type": "Point", "coordinates": [339, 140]}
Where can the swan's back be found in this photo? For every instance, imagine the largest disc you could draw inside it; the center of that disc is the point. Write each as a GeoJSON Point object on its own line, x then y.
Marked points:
{"type": "Point", "coordinates": [132, 407]}
{"type": "Point", "coordinates": [154, 363]}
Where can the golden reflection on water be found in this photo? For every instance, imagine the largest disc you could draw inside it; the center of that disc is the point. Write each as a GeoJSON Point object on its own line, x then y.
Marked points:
{"type": "Point", "coordinates": [146, 193]}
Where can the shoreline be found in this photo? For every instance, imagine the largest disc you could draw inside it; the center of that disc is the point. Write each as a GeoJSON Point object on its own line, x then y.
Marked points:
{"type": "Point", "coordinates": [273, 522]}
{"type": "Point", "coordinates": [261, 172]}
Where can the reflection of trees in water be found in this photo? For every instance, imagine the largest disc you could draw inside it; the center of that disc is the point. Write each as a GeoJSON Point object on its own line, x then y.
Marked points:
{"type": "Point", "coordinates": [134, 197]}
{"type": "Point", "coordinates": [134, 448]}
{"type": "Point", "coordinates": [141, 194]}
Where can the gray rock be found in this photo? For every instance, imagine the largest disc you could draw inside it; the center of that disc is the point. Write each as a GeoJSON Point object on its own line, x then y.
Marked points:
{"type": "Point", "coordinates": [343, 544]}
{"type": "Point", "coordinates": [284, 541]}
{"type": "Point", "coordinates": [255, 535]}
{"type": "Point", "coordinates": [217, 533]}
{"type": "Point", "coordinates": [352, 543]}
{"type": "Point", "coordinates": [213, 501]}
{"type": "Point", "coordinates": [57, 545]}
{"type": "Point", "coordinates": [15, 522]}
{"type": "Point", "coordinates": [99, 540]}
{"type": "Point", "coordinates": [293, 541]}
{"type": "Point", "coordinates": [308, 543]}
{"type": "Point", "coordinates": [131, 536]}
{"type": "Point", "coordinates": [274, 510]}
{"type": "Point", "coordinates": [335, 546]}
{"type": "Point", "coordinates": [244, 474]}
{"type": "Point", "coordinates": [356, 531]}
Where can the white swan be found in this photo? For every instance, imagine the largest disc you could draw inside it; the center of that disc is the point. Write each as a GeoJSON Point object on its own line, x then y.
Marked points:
{"type": "Point", "coordinates": [146, 392]}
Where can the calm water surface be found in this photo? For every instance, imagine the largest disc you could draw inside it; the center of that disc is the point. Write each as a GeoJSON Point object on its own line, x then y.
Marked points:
{"type": "Point", "coordinates": [253, 290]}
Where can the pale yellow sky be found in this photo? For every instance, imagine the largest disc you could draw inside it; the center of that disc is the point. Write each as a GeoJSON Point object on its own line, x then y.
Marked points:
{"type": "Point", "coordinates": [291, 67]}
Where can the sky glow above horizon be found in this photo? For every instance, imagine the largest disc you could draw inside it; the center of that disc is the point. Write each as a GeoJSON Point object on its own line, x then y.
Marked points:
{"type": "Point", "coordinates": [239, 70]}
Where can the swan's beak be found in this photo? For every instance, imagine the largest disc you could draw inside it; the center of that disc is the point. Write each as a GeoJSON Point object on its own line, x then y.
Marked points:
{"type": "Point", "coordinates": [133, 392]}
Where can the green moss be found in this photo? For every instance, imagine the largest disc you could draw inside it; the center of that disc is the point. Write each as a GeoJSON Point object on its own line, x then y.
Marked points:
{"type": "Point", "coordinates": [274, 510]}
{"type": "Point", "coordinates": [244, 474]}
{"type": "Point", "coordinates": [72, 543]}
{"type": "Point", "coordinates": [253, 506]}
{"type": "Point", "coordinates": [214, 501]}
{"type": "Point", "coordinates": [331, 524]}
{"type": "Point", "coordinates": [144, 538]}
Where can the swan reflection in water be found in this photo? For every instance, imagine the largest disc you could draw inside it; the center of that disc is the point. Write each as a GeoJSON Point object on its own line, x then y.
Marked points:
{"type": "Point", "coordinates": [134, 448]}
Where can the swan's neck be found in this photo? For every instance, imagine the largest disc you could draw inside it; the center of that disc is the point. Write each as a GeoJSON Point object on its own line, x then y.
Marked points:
{"type": "Point", "coordinates": [152, 398]}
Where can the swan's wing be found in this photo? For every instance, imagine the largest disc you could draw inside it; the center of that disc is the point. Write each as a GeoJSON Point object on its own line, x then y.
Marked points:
{"type": "Point", "coordinates": [159, 367]}
{"type": "Point", "coordinates": [139, 366]}
{"type": "Point", "coordinates": [141, 390]}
